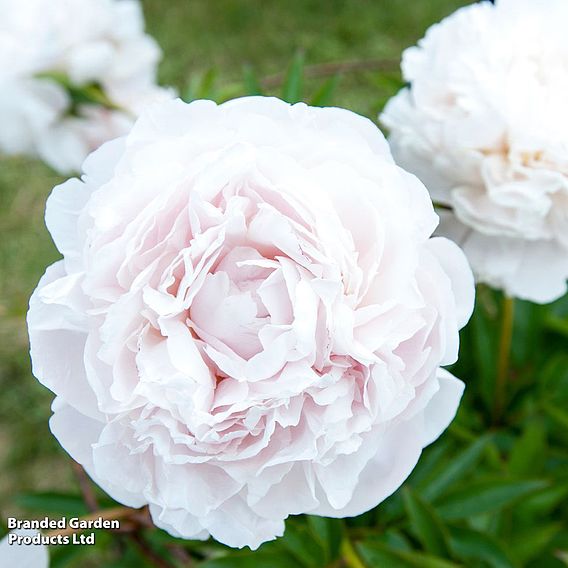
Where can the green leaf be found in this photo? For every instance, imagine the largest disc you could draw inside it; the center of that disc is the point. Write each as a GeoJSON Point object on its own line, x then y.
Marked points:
{"type": "Point", "coordinates": [553, 379]}
{"type": "Point", "coordinates": [455, 469]}
{"type": "Point", "coordinates": [207, 84]}
{"type": "Point", "coordinates": [324, 94]}
{"type": "Point", "coordinates": [486, 497]}
{"type": "Point", "coordinates": [471, 544]}
{"type": "Point", "coordinates": [432, 461]}
{"type": "Point", "coordinates": [528, 452]}
{"type": "Point", "coordinates": [250, 80]}
{"type": "Point", "coordinates": [59, 503]}
{"type": "Point", "coordinates": [528, 331]}
{"type": "Point", "coordinates": [228, 92]}
{"type": "Point", "coordinates": [426, 525]}
{"type": "Point", "coordinates": [130, 557]}
{"type": "Point", "coordinates": [559, 415]}
{"type": "Point", "coordinates": [376, 554]}
{"type": "Point", "coordinates": [63, 556]}
{"type": "Point", "coordinates": [252, 560]}
{"type": "Point", "coordinates": [545, 501]}
{"type": "Point", "coordinates": [300, 542]}
{"type": "Point", "coordinates": [292, 88]}
{"type": "Point", "coordinates": [395, 539]}
{"type": "Point", "coordinates": [90, 93]}
{"type": "Point", "coordinates": [329, 532]}
{"type": "Point", "coordinates": [531, 542]}
{"type": "Point", "coordinates": [557, 324]}
{"type": "Point", "coordinates": [200, 86]}
{"type": "Point", "coordinates": [433, 458]}
{"type": "Point", "coordinates": [484, 344]}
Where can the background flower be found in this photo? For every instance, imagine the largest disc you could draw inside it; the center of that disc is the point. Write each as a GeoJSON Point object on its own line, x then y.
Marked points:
{"type": "Point", "coordinates": [23, 555]}
{"type": "Point", "coordinates": [73, 74]}
{"type": "Point", "coordinates": [249, 318]}
{"type": "Point", "coordinates": [484, 123]}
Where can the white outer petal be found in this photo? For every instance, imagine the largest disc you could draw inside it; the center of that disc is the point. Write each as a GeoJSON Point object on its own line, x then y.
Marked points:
{"type": "Point", "coordinates": [23, 556]}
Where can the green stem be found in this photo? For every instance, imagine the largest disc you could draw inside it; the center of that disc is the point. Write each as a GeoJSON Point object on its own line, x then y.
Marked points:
{"type": "Point", "coordinates": [508, 316]}
{"type": "Point", "coordinates": [350, 556]}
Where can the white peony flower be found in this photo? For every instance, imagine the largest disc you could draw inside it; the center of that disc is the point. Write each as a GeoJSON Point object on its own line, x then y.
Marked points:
{"type": "Point", "coordinates": [484, 124]}
{"type": "Point", "coordinates": [249, 318]}
{"type": "Point", "coordinates": [50, 46]}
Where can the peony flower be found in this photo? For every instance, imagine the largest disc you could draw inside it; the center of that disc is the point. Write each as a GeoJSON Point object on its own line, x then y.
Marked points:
{"type": "Point", "coordinates": [249, 318]}
{"type": "Point", "coordinates": [73, 74]}
{"type": "Point", "coordinates": [484, 124]}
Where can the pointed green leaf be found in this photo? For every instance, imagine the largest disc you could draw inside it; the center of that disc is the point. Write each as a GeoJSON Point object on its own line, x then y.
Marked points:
{"type": "Point", "coordinates": [250, 80]}
{"type": "Point", "coordinates": [485, 497]}
{"type": "Point", "coordinates": [545, 501]}
{"type": "Point", "coordinates": [433, 458]}
{"type": "Point", "coordinates": [470, 544]}
{"type": "Point", "coordinates": [528, 452]}
{"type": "Point", "coordinates": [252, 560]}
{"type": "Point", "coordinates": [228, 92]}
{"type": "Point", "coordinates": [531, 542]}
{"type": "Point", "coordinates": [300, 542]}
{"type": "Point", "coordinates": [454, 470]}
{"type": "Point", "coordinates": [528, 331]}
{"type": "Point", "coordinates": [329, 532]}
{"type": "Point", "coordinates": [559, 415]}
{"type": "Point", "coordinates": [483, 327]}
{"type": "Point", "coordinates": [190, 92]}
{"type": "Point", "coordinates": [426, 525]}
{"type": "Point", "coordinates": [375, 554]}
{"type": "Point", "coordinates": [557, 324]}
{"type": "Point", "coordinates": [324, 94]}
{"type": "Point", "coordinates": [395, 539]}
{"type": "Point", "coordinates": [207, 84]}
{"type": "Point", "coordinates": [292, 88]}
{"type": "Point", "coordinates": [200, 86]}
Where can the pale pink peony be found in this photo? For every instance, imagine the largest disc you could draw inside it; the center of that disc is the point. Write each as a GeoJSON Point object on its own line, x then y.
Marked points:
{"type": "Point", "coordinates": [249, 318]}
{"type": "Point", "coordinates": [484, 124]}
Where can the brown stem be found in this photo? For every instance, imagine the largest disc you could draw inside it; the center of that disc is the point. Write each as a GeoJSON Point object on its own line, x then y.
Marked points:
{"type": "Point", "coordinates": [334, 68]}
{"type": "Point", "coordinates": [181, 555]}
{"type": "Point", "coordinates": [89, 496]}
{"type": "Point", "coordinates": [148, 552]}
{"type": "Point", "coordinates": [116, 513]}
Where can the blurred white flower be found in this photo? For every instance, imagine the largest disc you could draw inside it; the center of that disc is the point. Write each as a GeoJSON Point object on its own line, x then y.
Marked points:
{"type": "Point", "coordinates": [48, 48]}
{"type": "Point", "coordinates": [249, 318]}
{"type": "Point", "coordinates": [484, 124]}
{"type": "Point", "coordinates": [19, 555]}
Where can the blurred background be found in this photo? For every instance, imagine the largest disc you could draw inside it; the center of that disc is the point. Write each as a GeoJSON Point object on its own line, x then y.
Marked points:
{"type": "Point", "coordinates": [344, 53]}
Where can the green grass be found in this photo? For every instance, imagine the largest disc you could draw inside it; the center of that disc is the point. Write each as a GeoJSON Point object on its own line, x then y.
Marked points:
{"type": "Point", "coordinates": [198, 35]}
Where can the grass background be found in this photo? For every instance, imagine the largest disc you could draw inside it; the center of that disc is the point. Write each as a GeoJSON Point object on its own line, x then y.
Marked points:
{"type": "Point", "coordinates": [211, 41]}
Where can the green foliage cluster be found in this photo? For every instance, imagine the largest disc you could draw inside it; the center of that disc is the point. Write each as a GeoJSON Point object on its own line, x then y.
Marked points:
{"type": "Point", "coordinates": [490, 493]}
